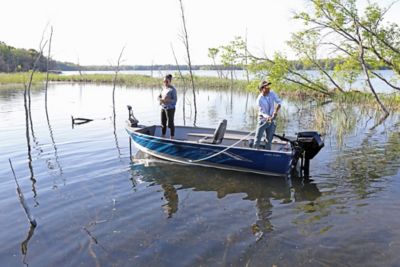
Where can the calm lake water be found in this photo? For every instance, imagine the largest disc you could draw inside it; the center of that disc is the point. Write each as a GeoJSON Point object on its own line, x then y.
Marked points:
{"type": "Point", "coordinates": [94, 207]}
{"type": "Point", "coordinates": [359, 84]}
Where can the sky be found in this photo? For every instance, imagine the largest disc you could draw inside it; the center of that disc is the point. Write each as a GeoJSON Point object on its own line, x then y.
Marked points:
{"type": "Point", "coordinates": [94, 32]}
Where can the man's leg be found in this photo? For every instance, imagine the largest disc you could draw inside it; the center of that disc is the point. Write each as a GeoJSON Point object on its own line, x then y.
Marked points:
{"type": "Point", "coordinates": [163, 122]}
{"type": "Point", "coordinates": [260, 132]}
{"type": "Point", "coordinates": [171, 124]}
{"type": "Point", "coordinates": [270, 134]}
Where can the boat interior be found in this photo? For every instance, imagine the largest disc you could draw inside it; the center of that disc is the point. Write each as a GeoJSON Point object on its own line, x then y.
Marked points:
{"type": "Point", "coordinates": [218, 136]}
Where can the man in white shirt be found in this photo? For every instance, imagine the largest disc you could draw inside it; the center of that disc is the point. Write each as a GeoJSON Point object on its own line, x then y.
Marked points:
{"type": "Point", "coordinates": [267, 112]}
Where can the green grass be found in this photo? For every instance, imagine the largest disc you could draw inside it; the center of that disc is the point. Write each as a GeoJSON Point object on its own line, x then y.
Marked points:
{"type": "Point", "coordinates": [392, 101]}
{"type": "Point", "coordinates": [123, 79]}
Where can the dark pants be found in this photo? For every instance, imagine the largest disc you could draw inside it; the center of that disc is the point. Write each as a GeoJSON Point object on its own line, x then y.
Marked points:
{"type": "Point", "coordinates": [167, 116]}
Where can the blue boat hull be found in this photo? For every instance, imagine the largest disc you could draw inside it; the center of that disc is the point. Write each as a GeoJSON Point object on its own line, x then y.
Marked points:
{"type": "Point", "coordinates": [235, 158]}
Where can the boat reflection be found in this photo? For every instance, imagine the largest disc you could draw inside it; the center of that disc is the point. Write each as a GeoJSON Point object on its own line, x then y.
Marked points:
{"type": "Point", "coordinates": [223, 182]}
{"type": "Point", "coordinates": [261, 189]}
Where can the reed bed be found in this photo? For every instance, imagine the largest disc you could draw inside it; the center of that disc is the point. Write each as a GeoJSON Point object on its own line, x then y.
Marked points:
{"type": "Point", "coordinates": [391, 101]}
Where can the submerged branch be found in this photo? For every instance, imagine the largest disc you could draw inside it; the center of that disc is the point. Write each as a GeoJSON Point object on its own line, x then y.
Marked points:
{"type": "Point", "coordinates": [22, 199]}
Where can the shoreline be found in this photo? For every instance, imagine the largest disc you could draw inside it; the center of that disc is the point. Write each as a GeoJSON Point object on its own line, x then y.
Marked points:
{"type": "Point", "coordinates": [391, 100]}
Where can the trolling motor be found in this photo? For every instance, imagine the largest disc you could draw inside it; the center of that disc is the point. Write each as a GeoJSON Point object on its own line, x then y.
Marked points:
{"type": "Point", "coordinates": [131, 118]}
{"type": "Point", "coordinates": [307, 145]}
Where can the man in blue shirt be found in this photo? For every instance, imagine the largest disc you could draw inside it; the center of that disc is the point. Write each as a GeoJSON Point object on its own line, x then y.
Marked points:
{"type": "Point", "coordinates": [168, 98]}
{"type": "Point", "coordinates": [267, 112]}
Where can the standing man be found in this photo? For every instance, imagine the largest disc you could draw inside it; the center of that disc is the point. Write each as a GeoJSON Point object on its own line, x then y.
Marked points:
{"type": "Point", "coordinates": [168, 98]}
{"type": "Point", "coordinates": [267, 112]}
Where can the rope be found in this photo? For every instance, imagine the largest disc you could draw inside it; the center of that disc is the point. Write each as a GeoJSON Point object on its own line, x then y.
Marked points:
{"type": "Point", "coordinates": [222, 151]}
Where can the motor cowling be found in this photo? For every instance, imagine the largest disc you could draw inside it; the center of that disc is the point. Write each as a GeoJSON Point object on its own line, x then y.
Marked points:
{"type": "Point", "coordinates": [310, 142]}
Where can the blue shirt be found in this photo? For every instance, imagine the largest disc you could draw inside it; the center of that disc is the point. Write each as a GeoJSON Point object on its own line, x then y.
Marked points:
{"type": "Point", "coordinates": [169, 93]}
{"type": "Point", "coordinates": [266, 105]}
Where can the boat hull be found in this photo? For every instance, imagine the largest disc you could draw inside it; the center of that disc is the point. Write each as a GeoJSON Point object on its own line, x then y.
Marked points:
{"type": "Point", "coordinates": [265, 162]}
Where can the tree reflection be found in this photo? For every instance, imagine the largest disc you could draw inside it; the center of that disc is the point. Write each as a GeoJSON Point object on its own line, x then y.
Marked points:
{"type": "Point", "coordinates": [28, 144]}
{"type": "Point", "coordinates": [52, 140]}
{"type": "Point", "coordinates": [24, 244]}
{"type": "Point", "coordinates": [368, 163]}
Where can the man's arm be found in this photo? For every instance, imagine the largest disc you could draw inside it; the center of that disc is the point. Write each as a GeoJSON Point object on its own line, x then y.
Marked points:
{"type": "Point", "coordinates": [277, 108]}
{"type": "Point", "coordinates": [166, 99]}
{"type": "Point", "coordinates": [278, 102]}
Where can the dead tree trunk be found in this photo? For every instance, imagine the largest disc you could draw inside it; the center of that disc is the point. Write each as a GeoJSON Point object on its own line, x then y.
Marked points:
{"type": "Point", "coordinates": [117, 69]}
{"type": "Point", "coordinates": [186, 43]}
{"type": "Point", "coordinates": [47, 67]}
{"type": "Point", "coordinates": [246, 57]}
{"type": "Point", "coordinates": [184, 86]}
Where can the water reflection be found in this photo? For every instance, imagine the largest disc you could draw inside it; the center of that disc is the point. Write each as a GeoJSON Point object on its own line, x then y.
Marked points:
{"type": "Point", "coordinates": [172, 198]}
{"type": "Point", "coordinates": [369, 162]}
{"type": "Point", "coordinates": [24, 244]}
{"type": "Point", "coordinates": [49, 165]}
{"type": "Point", "coordinates": [262, 190]}
{"type": "Point", "coordinates": [28, 144]}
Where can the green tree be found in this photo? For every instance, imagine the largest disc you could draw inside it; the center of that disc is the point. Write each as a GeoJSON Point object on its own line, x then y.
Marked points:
{"type": "Point", "coordinates": [213, 53]}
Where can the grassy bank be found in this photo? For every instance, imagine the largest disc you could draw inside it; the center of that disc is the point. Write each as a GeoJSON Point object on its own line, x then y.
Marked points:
{"type": "Point", "coordinates": [122, 79]}
{"type": "Point", "coordinates": [391, 101]}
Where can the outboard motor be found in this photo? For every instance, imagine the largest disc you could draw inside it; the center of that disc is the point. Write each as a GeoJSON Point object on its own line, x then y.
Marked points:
{"type": "Point", "coordinates": [309, 144]}
{"type": "Point", "coordinates": [132, 120]}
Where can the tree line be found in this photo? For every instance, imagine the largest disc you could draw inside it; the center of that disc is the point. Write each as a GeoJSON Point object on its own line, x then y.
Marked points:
{"type": "Point", "coordinates": [20, 60]}
{"type": "Point", "coordinates": [15, 59]}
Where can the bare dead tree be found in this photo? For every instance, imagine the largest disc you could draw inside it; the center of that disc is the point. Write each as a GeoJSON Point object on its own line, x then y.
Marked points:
{"type": "Point", "coordinates": [27, 91]}
{"type": "Point", "coordinates": [184, 85]}
{"type": "Point", "coordinates": [246, 58]}
{"type": "Point", "coordinates": [117, 69]}
{"type": "Point", "coordinates": [47, 66]}
{"type": "Point", "coordinates": [185, 40]}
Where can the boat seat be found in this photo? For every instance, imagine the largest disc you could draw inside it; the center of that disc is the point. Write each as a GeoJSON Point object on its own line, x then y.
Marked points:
{"type": "Point", "coordinates": [217, 136]}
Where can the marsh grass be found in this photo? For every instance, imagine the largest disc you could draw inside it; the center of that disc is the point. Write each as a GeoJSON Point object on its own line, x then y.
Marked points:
{"type": "Point", "coordinates": [391, 101]}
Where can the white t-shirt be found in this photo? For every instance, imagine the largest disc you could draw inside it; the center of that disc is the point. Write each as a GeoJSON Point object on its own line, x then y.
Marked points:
{"type": "Point", "coordinates": [266, 105]}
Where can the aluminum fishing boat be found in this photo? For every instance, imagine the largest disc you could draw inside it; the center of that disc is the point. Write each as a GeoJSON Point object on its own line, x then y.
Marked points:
{"type": "Point", "coordinates": [226, 149]}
